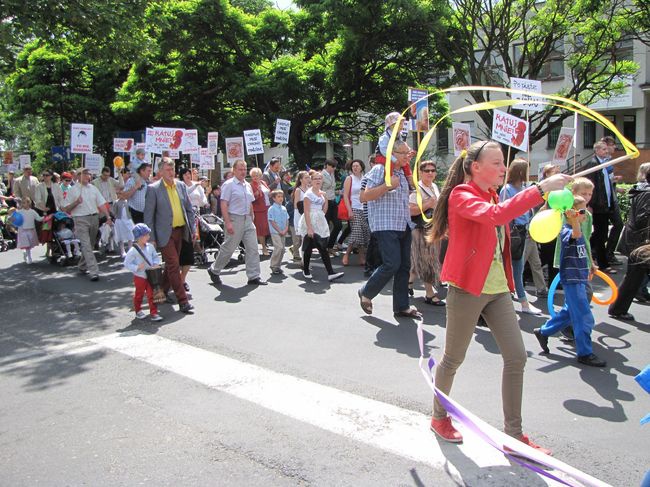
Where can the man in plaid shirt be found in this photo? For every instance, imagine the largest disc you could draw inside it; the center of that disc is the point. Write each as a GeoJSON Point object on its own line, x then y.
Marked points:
{"type": "Point", "coordinates": [390, 223]}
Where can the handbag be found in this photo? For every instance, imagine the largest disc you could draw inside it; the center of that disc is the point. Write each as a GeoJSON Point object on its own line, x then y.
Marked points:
{"type": "Point", "coordinates": [418, 219]}
{"type": "Point", "coordinates": [343, 213]}
{"type": "Point", "coordinates": [518, 235]}
{"type": "Point", "coordinates": [155, 278]}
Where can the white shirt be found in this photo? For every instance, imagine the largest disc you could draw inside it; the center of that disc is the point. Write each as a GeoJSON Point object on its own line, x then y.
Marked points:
{"type": "Point", "coordinates": [92, 199]}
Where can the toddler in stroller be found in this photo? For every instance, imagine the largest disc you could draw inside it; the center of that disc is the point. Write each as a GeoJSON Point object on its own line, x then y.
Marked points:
{"type": "Point", "coordinates": [64, 240]}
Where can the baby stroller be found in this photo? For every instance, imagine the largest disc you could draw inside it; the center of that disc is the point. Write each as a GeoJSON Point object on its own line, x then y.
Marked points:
{"type": "Point", "coordinates": [211, 237]}
{"type": "Point", "coordinates": [7, 232]}
{"type": "Point", "coordinates": [58, 250]}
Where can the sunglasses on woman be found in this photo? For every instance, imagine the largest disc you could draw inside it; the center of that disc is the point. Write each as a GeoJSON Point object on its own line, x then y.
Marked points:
{"type": "Point", "coordinates": [428, 170]}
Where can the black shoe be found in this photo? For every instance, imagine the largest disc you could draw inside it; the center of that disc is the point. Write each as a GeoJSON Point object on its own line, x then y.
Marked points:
{"type": "Point", "coordinates": [543, 340]}
{"type": "Point", "coordinates": [186, 308]}
{"type": "Point", "coordinates": [94, 277]}
{"type": "Point", "coordinates": [567, 335]}
{"type": "Point", "coordinates": [623, 316]}
{"type": "Point", "coordinates": [214, 277]}
{"type": "Point", "coordinates": [592, 360]}
{"type": "Point", "coordinates": [169, 298]}
{"type": "Point", "coordinates": [187, 287]}
{"type": "Point", "coordinates": [83, 272]}
{"type": "Point", "coordinates": [257, 282]}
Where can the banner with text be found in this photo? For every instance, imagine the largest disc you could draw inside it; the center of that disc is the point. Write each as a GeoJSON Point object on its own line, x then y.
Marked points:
{"type": "Point", "coordinates": [282, 129]}
{"type": "Point", "coordinates": [531, 85]}
{"type": "Point", "coordinates": [510, 130]}
{"type": "Point", "coordinates": [213, 143]}
{"type": "Point", "coordinates": [234, 149]}
{"type": "Point", "coordinates": [254, 144]}
{"type": "Point", "coordinates": [24, 160]}
{"type": "Point", "coordinates": [81, 138]}
{"type": "Point", "coordinates": [158, 139]}
{"type": "Point", "coordinates": [94, 163]}
{"type": "Point", "coordinates": [207, 159]}
{"type": "Point", "coordinates": [122, 145]}
{"type": "Point", "coordinates": [462, 136]}
{"type": "Point", "coordinates": [190, 142]}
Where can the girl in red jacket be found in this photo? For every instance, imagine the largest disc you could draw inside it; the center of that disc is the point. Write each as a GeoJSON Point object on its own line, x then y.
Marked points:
{"type": "Point", "coordinates": [478, 269]}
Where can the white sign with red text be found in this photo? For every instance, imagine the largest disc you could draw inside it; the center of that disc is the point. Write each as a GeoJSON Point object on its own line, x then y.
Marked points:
{"type": "Point", "coordinates": [158, 139]}
{"type": "Point", "coordinates": [510, 130]}
{"type": "Point", "coordinates": [563, 145]}
{"type": "Point", "coordinates": [213, 143]}
{"type": "Point", "coordinates": [122, 145]}
{"type": "Point", "coordinates": [462, 136]}
{"type": "Point", "coordinates": [234, 149]}
{"type": "Point", "coordinates": [190, 142]}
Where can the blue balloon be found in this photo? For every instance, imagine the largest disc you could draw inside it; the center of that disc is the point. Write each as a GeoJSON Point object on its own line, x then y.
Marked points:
{"type": "Point", "coordinates": [17, 220]}
{"type": "Point", "coordinates": [551, 295]}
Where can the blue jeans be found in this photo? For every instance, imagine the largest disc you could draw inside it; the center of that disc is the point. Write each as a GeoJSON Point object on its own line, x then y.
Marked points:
{"type": "Point", "coordinates": [395, 249]}
{"type": "Point", "coordinates": [575, 311]}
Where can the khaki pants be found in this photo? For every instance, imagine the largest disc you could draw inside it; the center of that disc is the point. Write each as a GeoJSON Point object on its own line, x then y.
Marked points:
{"type": "Point", "coordinates": [244, 231]}
{"type": "Point", "coordinates": [531, 256]}
{"type": "Point", "coordinates": [463, 310]}
{"type": "Point", "coordinates": [86, 228]}
{"type": "Point", "coordinates": [296, 242]}
{"type": "Point", "coordinates": [278, 251]}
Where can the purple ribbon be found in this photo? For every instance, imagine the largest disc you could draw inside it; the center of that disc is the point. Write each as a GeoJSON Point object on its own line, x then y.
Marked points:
{"type": "Point", "coordinates": [514, 449]}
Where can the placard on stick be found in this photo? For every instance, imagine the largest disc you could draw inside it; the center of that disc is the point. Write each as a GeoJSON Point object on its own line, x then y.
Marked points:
{"type": "Point", "coordinates": [510, 130]}
{"type": "Point", "coordinates": [254, 144]}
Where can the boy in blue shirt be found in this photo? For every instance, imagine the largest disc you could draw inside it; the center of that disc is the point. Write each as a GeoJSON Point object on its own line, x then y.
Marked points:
{"type": "Point", "coordinates": [279, 227]}
{"type": "Point", "coordinates": [574, 276]}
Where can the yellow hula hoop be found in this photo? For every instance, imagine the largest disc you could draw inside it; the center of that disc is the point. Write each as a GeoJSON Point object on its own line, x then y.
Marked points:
{"type": "Point", "coordinates": [630, 149]}
{"type": "Point", "coordinates": [608, 280]}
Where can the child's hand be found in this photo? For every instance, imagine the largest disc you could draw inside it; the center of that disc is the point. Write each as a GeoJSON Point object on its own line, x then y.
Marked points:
{"type": "Point", "coordinates": [571, 215]}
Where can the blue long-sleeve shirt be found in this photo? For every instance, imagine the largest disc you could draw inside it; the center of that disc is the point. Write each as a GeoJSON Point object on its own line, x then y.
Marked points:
{"type": "Point", "coordinates": [133, 259]}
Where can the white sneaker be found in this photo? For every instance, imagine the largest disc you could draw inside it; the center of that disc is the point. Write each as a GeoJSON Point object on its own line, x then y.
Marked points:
{"type": "Point", "coordinates": [155, 317]}
{"type": "Point", "coordinates": [335, 276]}
{"type": "Point", "coordinates": [29, 259]}
{"type": "Point", "coordinates": [306, 274]}
{"type": "Point", "coordinates": [141, 315]}
{"type": "Point", "coordinates": [531, 310]}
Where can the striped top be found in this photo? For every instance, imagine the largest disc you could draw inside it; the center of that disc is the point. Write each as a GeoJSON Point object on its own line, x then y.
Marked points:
{"type": "Point", "coordinates": [574, 266]}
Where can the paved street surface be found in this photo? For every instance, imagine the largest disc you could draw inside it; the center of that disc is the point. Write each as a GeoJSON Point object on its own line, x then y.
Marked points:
{"type": "Point", "coordinates": [283, 385]}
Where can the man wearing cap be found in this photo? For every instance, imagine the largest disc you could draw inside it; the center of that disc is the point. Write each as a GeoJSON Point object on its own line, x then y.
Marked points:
{"type": "Point", "coordinates": [168, 213]}
{"type": "Point", "coordinates": [107, 186]}
{"type": "Point", "coordinates": [135, 190]}
{"type": "Point", "coordinates": [84, 201]}
{"type": "Point", "coordinates": [26, 185]}
{"type": "Point", "coordinates": [237, 211]}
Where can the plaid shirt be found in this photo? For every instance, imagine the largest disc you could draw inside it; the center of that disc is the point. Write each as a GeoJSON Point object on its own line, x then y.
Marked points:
{"type": "Point", "coordinates": [136, 201]}
{"type": "Point", "coordinates": [390, 211]}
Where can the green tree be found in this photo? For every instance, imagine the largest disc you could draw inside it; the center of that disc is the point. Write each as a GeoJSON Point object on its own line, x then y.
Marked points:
{"type": "Point", "coordinates": [327, 67]}
{"type": "Point", "coordinates": [487, 43]}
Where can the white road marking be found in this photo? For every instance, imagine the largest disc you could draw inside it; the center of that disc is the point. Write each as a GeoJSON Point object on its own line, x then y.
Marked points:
{"type": "Point", "coordinates": [384, 426]}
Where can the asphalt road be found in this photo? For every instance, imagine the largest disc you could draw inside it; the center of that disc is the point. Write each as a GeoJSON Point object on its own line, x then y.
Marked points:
{"type": "Point", "coordinates": [286, 384]}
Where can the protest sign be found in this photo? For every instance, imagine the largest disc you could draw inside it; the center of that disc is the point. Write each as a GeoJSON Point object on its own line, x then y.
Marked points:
{"type": "Point", "coordinates": [531, 85]}
{"type": "Point", "coordinates": [563, 145]}
{"type": "Point", "coordinates": [190, 142]}
{"type": "Point", "coordinates": [94, 163]}
{"type": "Point", "coordinates": [207, 159]}
{"type": "Point", "coordinates": [81, 138]}
{"type": "Point", "coordinates": [462, 136]}
{"type": "Point", "coordinates": [510, 130]}
{"type": "Point", "coordinates": [122, 145]}
{"type": "Point", "coordinates": [24, 160]}
{"type": "Point", "coordinates": [158, 139]}
{"type": "Point", "coordinates": [282, 129]}
{"type": "Point", "coordinates": [420, 110]}
{"type": "Point", "coordinates": [213, 143]}
{"type": "Point", "coordinates": [254, 144]}
{"type": "Point", "coordinates": [8, 157]}
{"type": "Point", "coordinates": [234, 149]}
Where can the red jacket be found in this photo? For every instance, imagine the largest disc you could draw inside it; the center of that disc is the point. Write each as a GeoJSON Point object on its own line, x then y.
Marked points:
{"type": "Point", "coordinates": [472, 237]}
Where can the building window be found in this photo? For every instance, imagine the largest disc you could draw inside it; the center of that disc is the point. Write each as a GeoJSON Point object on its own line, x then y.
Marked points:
{"type": "Point", "coordinates": [443, 140]}
{"type": "Point", "coordinates": [629, 127]}
{"type": "Point", "coordinates": [492, 72]}
{"type": "Point", "coordinates": [553, 68]}
{"type": "Point", "coordinates": [624, 50]}
{"type": "Point", "coordinates": [553, 135]}
{"type": "Point", "coordinates": [589, 134]}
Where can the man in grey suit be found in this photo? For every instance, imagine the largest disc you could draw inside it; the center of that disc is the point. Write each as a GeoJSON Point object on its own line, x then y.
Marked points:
{"type": "Point", "coordinates": [168, 212]}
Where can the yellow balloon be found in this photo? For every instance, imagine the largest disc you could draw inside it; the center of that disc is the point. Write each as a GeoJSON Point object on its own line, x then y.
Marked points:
{"type": "Point", "coordinates": [545, 226]}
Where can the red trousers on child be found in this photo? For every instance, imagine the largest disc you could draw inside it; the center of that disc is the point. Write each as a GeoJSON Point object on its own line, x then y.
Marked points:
{"type": "Point", "coordinates": [142, 286]}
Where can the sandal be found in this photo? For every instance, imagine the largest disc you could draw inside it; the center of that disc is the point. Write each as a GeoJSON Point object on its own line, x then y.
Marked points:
{"type": "Point", "coordinates": [434, 301]}
{"type": "Point", "coordinates": [410, 312]}
{"type": "Point", "coordinates": [365, 306]}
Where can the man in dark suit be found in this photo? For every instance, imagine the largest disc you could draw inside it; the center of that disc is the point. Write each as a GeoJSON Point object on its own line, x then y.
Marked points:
{"type": "Point", "coordinates": [168, 212]}
{"type": "Point", "coordinates": [603, 205]}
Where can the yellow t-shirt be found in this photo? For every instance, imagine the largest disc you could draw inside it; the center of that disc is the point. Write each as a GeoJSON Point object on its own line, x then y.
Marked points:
{"type": "Point", "coordinates": [496, 281]}
{"type": "Point", "coordinates": [178, 220]}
